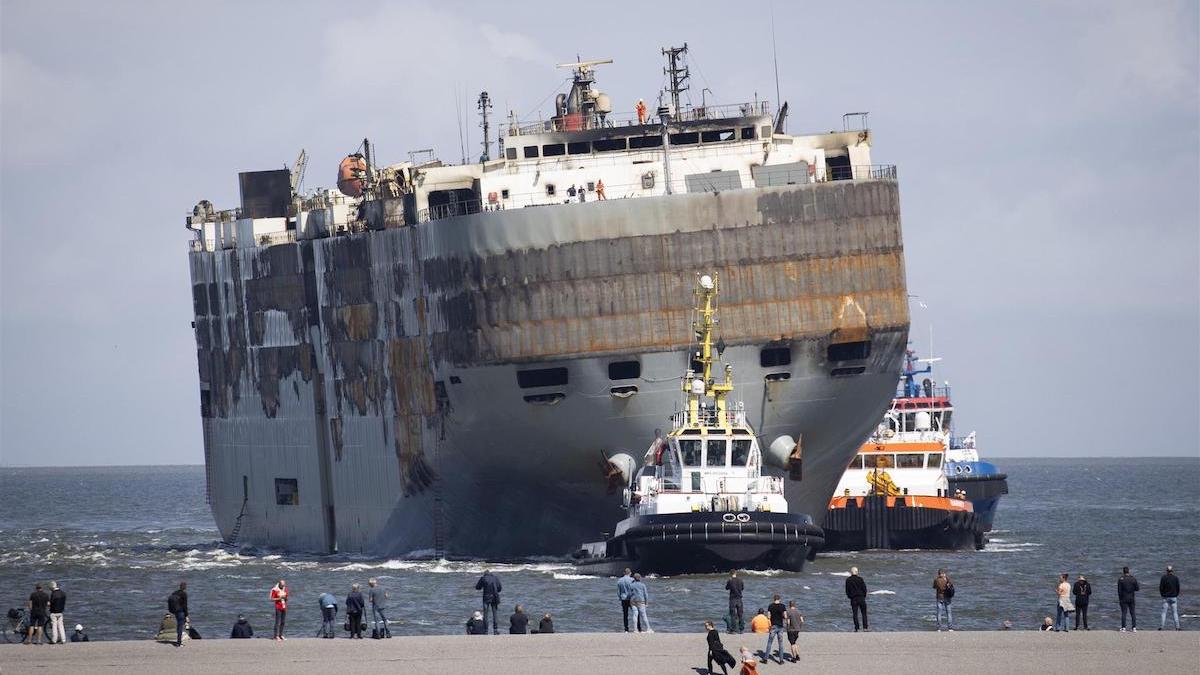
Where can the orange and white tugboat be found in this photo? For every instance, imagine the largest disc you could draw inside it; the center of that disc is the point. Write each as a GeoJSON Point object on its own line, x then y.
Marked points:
{"type": "Point", "coordinates": [895, 494]}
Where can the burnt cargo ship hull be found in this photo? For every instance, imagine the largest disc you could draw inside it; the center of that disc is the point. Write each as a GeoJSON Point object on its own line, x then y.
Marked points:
{"type": "Point", "coordinates": [449, 387]}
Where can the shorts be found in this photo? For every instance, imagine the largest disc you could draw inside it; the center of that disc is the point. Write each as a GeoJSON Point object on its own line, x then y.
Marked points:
{"type": "Point", "coordinates": [793, 635]}
{"type": "Point", "coordinates": [38, 621]}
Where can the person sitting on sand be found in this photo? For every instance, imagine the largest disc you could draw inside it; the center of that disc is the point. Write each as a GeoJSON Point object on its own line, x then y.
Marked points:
{"type": "Point", "coordinates": [546, 625]}
{"type": "Point", "coordinates": [760, 623]}
{"type": "Point", "coordinates": [1047, 624]}
{"type": "Point", "coordinates": [518, 623]}
{"type": "Point", "coordinates": [79, 635]}
{"type": "Point", "coordinates": [241, 629]}
{"type": "Point", "coordinates": [476, 625]}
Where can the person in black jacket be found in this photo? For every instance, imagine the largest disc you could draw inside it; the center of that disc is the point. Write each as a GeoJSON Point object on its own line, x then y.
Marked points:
{"type": "Point", "coordinates": [737, 612]}
{"type": "Point", "coordinates": [177, 604]}
{"type": "Point", "coordinates": [518, 623]}
{"type": "Point", "coordinates": [241, 629]}
{"type": "Point", "coordinates": [856, 590]}
{"type": "Point", "coordinates": [1082, 590]}
{"type": "Point", "coordinates": [717, 651]}
{"type": "Point", "coordinates": [1127, 588]}
{"type": "Point", "coordinates": [490, 585]}
{"type": "Point", "coordinates": [476, 625]}
{"type": "Point", "coordinates": [354, 611]}
{"type": "Point", "coordinates": [1168, 587]}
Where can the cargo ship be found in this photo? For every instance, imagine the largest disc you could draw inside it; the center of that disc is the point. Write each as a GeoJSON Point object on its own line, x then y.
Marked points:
{"type": "Point", "coordinates": [699, 502]}
{"type": "Point", "coordinates": [441, 359]}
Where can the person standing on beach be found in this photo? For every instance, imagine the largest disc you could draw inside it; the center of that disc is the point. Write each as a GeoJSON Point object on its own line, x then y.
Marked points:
{"type": "Point", "coordinates": [177, 604]}
{"type": "Point", "coordinates": [778, 618]}
{"type": "Point", "coordinates": [1168, 587]}
{"type": "Point", "coordinates": [943, 589]}
{"type": "Point", "coordinates": [795, 621]}
{"type": "Point", "coordinates": [378, 598]}
{"type": "Point", "coordinates": [39, 614]}
{"type": "Point", "coordinates": [279, 596]}
{"type": "Point", "coordinates": [1082, 590]}
{"type": "Point", "coordinates": [856, 590]}
{"type": "Point", "coordinates": [737, 619]}
{"type": "Point", "coordinates": [716, 650]}
{"type": "Point", "coordinates": [490, 585]}
{"type": "Point", "coordinates": [58, 603]}
{"type": "Point", "coordinates": [328, 605]}
{"type": "Point", "coordinates": [1063, 606]}
{"type": "Point", "coordinates": [640, 596]}
{"type": "Point", "coordinates": [354, 611]}
{"type": "Point", "coordinates": [1127, 588]}
{"type": "Point", "coordinates": [624, 586]}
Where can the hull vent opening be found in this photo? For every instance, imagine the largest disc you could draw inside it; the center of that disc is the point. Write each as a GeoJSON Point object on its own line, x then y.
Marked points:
{"type": "Point", "coordinates": [848, 351]}
{"type": "Point", "coordinates": [624, 370]}
{"type": "Point", "coordinates": [774, 357]}
{"type": "Point", "coordinates": [848, 372]}
{"type": "Point", "coordinates": [545, 399]}
{"type": "Point", "coordinates": [542, 377]}
{"type": "Point", "coordinates": [623, 391]}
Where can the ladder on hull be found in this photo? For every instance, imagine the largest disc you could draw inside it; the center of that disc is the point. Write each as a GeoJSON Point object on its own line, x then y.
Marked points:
{"type": "Point", "coordinates": [237, 526]}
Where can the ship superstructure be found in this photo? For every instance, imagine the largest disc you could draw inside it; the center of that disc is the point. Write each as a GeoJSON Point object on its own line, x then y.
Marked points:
{"type": "Point", "coordinates": [373, 357]}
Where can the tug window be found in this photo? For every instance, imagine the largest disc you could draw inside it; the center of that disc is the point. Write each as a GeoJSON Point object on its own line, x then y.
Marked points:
{"type": "Point", "coordinates": [879, 461]}
{"type": "Point", "coordinates": [554, 150]}
{"type": "Point", "coordinates": [747, 133]}
{"type": "Point", "coordinates": [510, 153]}
{"type": "Point", "coordinates": [741, 452]}
{"type": "Point", "coordinates": [531, 151]}
{"type": "Point", "coordinates": [856, 463]}
{"type": "Point", "coordinates": [714, 453]}
{"type": "Point", "coordinates": [287, 492]}
{"type": "Point", "coordinates": [935, 461]}
{"type": "Point", "coordinates": [691, 452]}
{"type": "Point", "coordinates": [910, 461]}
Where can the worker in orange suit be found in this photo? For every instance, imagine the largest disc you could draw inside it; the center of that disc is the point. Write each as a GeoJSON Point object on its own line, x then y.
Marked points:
{"type": "Point", "coordinates": [641, 111]}
{"type": "Point", "coordinates": [600, 190]}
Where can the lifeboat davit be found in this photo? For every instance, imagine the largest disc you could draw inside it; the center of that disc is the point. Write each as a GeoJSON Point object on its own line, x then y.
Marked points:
{"type": "Point", "coordinates": [350, 175]}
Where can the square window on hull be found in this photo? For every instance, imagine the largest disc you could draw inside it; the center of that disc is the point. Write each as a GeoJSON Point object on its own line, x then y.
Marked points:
{"type": "Point", "coordinates": [287, 492]}
{"type": "Point", "coordinates": [624, 370]}
{"type": "Point", "coordinates": [542, 377]}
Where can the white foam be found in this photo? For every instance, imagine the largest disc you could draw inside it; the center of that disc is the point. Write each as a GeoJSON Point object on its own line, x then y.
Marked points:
{"type": "Point", "coordinates": [807, 588]}
{"type": "Point", "coordinates": [882, 593]}
{"type": "Point", "coordinates": [762, 573]}
{"type": "Point", "coordinates": [572, 577]}
{"type": "Point", "coordinates": [1004, 547]}
{"type": "Point", "coordinates": [839, 574]}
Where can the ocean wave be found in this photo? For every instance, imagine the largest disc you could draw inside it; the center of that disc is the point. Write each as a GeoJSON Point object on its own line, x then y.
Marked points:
{"type": "Point", "coordinates": [1005, 547]}
{"type": "Point", "coordinates": [884, 592]}
{"type": "Point", "coordinates": [762, 573]}
{"type": "Point", "coordinates": [839, 574]}
{"type": "Point", "coordinates": [573, 577]}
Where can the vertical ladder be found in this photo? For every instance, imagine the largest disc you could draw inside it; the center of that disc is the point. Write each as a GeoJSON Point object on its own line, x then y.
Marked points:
{"type": "Point", "coordinates": [237, 526]}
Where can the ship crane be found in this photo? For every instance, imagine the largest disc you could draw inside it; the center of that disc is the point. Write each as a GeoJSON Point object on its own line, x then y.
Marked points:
{"type": "Point", "coordinates": [298, 171]}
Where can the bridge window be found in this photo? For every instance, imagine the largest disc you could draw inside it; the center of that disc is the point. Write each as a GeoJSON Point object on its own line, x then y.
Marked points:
{"type": "Point", "coordinates": [690, 450]}
{"type": "Point", "coordinates": [741, 452]}
{"type": "Point", "coordinates": [879, 461]}
{"type": "Point", "coordinates": [714, 453]}
{"type": "Point", "coordinates": [747, 133]}
{"type": "Point", "coordinates": [531, 151]}
{"type": "Point", "coordinates": [856, 463]}
{"type": "Point", "coordinates": [542, 377]}
{"type": "Point", "coordinates": [554, 150]}
{"type": "Point", "coordinates": [685, 138]}
{"type": "Point", "coordinates": [608, 144]}
{"type": "Point", "coordinates": [935, 460]}
{"type": "Point", "coordinates": [718, 136]}
{"type": "Point", "coordinates": [550, 189]}
{"type": "Point", "coordinates": [910, 461]}
{"type": "Point", "coordinates": [624, 370]}
{"type": "Point", "coordinates": [642, 142]}
{"type": "Point", "coordinates": [579, 148]}
{"type": "Point", "coordinates": [510, 153]}
{"type": "Point", "coordinates": [287, 492]}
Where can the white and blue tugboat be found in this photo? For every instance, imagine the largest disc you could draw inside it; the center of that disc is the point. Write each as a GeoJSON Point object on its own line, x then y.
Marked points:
{"type": "Point", "coordinates": [700, 501]}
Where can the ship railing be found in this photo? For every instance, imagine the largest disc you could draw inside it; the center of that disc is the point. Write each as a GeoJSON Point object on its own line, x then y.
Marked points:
{"type": "Point", "coordinates": [711, 418]}
{"type": "Point", "coordinates": [962, 443]}
{"type": "Point", "coordinates": [630, 119]}
{"type": "Point", "coordinates": [934, 391]}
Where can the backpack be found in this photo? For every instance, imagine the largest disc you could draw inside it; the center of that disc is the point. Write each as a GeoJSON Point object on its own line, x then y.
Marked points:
{"type": "Point", "coordinates": [949, 592]}
{"type": "Point", "coordinates": [173, 603]}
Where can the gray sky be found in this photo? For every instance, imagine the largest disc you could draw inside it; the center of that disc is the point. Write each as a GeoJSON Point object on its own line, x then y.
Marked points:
{"type": "Point", "coordinates": [1049, 156]}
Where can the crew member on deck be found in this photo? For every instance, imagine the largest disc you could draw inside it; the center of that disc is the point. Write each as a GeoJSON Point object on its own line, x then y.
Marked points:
{"type": "Point", "coordinates": [641, 111]}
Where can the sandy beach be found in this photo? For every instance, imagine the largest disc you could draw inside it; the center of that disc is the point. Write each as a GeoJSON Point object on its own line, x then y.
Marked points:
{"type": "Point", "coordinates": [926, 653]}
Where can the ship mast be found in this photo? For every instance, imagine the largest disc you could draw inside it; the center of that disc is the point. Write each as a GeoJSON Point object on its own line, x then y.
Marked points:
{"type": "Point", "coordinates": [705, 386]}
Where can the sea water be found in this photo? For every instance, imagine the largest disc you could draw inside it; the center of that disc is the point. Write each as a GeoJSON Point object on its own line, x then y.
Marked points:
{"type": "Point", "coordinates": [119, 540]}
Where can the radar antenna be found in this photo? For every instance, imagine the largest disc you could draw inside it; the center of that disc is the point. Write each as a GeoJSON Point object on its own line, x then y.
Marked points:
{"type": "Point", "coordinates": [484, 105]}
{"type": "Point", "coordinates": [677, 70]}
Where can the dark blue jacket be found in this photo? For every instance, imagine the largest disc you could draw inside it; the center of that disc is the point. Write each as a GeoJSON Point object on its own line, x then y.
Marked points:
{"type": "Point", "coordinates": [491, 588]}
{"type": "Point", "coordinates": [354, 603]}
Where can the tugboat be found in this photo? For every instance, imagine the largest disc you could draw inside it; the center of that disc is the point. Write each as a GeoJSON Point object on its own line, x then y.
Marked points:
{"type": "Point", "coordinates": [899, 491]}
{"type": "Point", "coordinates": [700, 502]}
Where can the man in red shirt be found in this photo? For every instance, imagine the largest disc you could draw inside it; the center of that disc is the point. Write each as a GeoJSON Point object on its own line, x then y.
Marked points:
{"type": "Point", "coordinates": [279, 595]}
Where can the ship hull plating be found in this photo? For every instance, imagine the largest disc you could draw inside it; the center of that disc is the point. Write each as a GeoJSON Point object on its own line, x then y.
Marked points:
{"type": "Point", "coordinates": [361, 392]}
